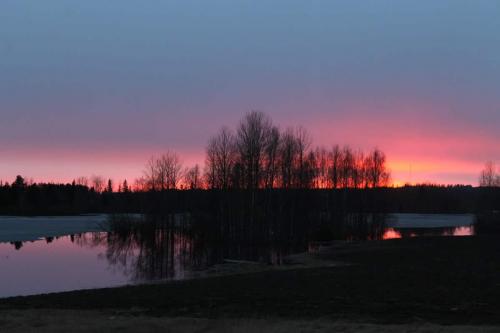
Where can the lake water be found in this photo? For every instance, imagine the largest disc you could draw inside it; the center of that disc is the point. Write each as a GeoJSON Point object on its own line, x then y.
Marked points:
{"type": "Point", "coordinates": [52, 254]}
{"type": "Point", "coordinates": [418, 225]}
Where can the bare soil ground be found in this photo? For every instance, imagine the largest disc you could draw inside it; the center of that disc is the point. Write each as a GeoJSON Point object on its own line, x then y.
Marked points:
{"type": "Point", "coordinates": [108, 321]}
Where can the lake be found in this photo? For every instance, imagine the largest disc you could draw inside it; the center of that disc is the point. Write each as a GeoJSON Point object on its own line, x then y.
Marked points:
{"type": "Point", "coordinates": [52, 254]}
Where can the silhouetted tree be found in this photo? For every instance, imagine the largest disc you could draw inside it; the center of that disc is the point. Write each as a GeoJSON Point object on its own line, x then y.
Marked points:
{"type": "Point", "coordinates": [164, 172]}
{"type": "Point", "coordinates": [251, 140]}
{"type": "Point", "coordinates": [220, 160]}
{"type": "Point", "coordinates": [335, 157]}
{"type": "Point", "coordinates": [288, 153]}
{"type": "Point", "coordinates": [141, 184]}
{"type": "Point", "coordinates": [109, 188]}
{"type": "Point", "coordinates": [302, 144]}
{"type": "Point", "coordinates": [192, 179]}
{"type": "Point", "coordinates": [150, 175]}
{"type": "Point", "coordinates": [19, 183]}
{"type": "Point", "coordinates": [271, 157]}
{"type": "Point", "coordinates": [377, 174]}
{"type": "Point", "coordinates": [358, 172]}
{"type": "Point", "coordinates": [322, 168]}
{"type": "Point", "coordinates": [346, 167]}
{"type": "Point", "coordinates": [489, 176]}
{"type": "Point", "coordinates": [125, 188]}
{"type": "Point", "coordinates": [82, 181]}
{"type": "Point", "coordinates": [97, 183]}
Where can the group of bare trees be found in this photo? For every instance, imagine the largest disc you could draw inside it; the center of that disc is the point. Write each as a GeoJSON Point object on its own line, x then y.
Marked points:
{"type": "Point", "coordinates": [163, 172]}
{"type": "Point", "coordinates": [166, 172]}
{"type": "Point", "coordinates": [259, 155]}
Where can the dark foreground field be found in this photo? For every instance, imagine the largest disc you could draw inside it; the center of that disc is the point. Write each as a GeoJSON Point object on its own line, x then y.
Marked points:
{"type": "Point", "coordinates": [449, 280]}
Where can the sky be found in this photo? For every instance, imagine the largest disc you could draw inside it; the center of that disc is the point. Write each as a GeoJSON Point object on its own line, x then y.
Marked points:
{"type": "Point", "coordinates": [96, 87]}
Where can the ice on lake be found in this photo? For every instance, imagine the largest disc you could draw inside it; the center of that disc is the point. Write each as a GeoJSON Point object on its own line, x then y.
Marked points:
{"type": "Point", "coordinates": [429, 220]}
{"type": "Point", "coordinates": [21, 229]}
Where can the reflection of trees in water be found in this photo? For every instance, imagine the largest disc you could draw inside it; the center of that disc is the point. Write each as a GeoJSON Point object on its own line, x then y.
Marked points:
{"type": "Point", "coordinates": [363, 226]}
{"type": "Point", "coordinates": [17, 245]}
{"type": "Point", "coordinates": [169, 246]}
{"type": "Point", "coordinates": [148, 250]}
{"type": "Point", "coordinates": [162, 253]}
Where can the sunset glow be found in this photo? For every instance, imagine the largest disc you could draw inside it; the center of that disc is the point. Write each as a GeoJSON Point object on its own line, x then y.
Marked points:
{"type": "Point", "coordinates": [410, 167]}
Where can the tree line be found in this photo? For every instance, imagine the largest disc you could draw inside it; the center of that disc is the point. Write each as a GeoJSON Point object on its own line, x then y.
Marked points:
{"type": "Point", "coordinates": [28, 198]}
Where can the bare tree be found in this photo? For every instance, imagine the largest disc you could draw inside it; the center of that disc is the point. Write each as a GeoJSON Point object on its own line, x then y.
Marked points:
{"type": "Point", "coordinates": [303, 142]}
{"type": "Point", "coordinates": [376, 170]}
{"type": "Point", "coordinates": [489, 176]}
{"type": "Point", "coordinates": [358, 172]}
{"type": "Point", "coordinates": [82, 181]}
{"type": "Point", "coordinates": [97, 183]}
{"type": "Point", "coordinates": [141, 185]}
{"type": "Point", "coordinates": [287, 152]}
{"type": "Point", "coordinates": [149, 181]}
{"type": "Point", "coordinates": [322, 168]}
{"type": "Point", "coordinates": [221, 155]}
{"type": "Point", "coordinates": [335, 157]}
{"type": "Point", "coordinates": [251, 141]}
{"type": "Point", "coordinates": [210, 165]}
{"type": "Point", "coordinates": [192, 179]}
{"type": "Point", "coordinates": [346, 167]}
{"type": "Point", "coordinates": [271, 157]}
{"type": "Point", "coordinates": [168, 170]}
{"type": "Point", "coordinates": [237, 176]}
{"type": "Point", "coordinates": [164, 172]}
{"type": "Point", "coordinates": [309, 171]}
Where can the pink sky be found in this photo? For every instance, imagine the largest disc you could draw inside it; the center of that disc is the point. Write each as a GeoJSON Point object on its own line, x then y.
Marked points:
{"type": "Point", "coordinates": [420, 148]}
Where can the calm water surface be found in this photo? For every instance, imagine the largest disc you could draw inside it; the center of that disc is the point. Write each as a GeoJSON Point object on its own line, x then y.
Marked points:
{"type": "Point", "coordinates": [59, 264]}
{"type": "Point", "coordinates": [101, 259]}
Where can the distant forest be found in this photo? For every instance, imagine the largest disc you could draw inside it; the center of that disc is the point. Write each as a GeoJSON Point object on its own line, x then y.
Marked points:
{"type": "Point", "coordinates": [254, 161]}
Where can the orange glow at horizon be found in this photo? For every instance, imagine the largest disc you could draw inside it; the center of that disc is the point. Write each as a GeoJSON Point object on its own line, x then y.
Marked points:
{"type": "Point", "coordinates": [420, 172]}
{"type": "Point", "coordinates": [66, 166]}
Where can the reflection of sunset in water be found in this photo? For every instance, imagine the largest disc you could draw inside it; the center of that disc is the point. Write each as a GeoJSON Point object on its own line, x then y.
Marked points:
{"type": "Point", "coordinates": [390, 233]}
{"type": "Point", "coordinates": [461, 231]}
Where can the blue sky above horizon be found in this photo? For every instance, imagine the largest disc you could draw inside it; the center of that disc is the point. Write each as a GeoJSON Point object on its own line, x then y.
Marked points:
{"type": "Point", "coordinates": [92, 87]}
